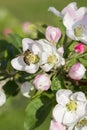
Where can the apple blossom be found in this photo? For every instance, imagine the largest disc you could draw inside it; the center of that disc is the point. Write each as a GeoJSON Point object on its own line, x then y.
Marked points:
{"type": "Point", "coordinates": [79, 48]}
{"type": "Point", "coordinates": [77, 71]}
{"type": "Point", "coordinates": [53, 34]}
{"type": "Point", "coordinates": [26, 88]}
{"type": "Point", "coordinates": [70, 107]}
{"type": "Point", "coordinates": [42, 82]}
{"type": "Point", "coordinates": [50, 56]}
{"type": "Point", "coordinates": [56, 126]}
{"type": "Point", "coordinates": [76, 25]}
{"type": "Point", "coordinates": [74, 20]}
{"type": "Point", "coordinates": [30, 59]}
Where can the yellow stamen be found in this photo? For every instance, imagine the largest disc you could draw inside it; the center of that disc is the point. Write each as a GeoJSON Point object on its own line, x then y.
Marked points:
{"type": "Point", "coordinates": [52, 59]}
{"type": "Point", "coordinates": [78, 31]}
{"type": "Point", "coordinates": [82, 122]}
{"type": "Point", "coordinates": [71, 106]}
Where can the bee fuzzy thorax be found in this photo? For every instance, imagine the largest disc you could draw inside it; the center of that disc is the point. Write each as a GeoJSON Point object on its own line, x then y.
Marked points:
{"type": "Point", "coordinates": [29, 57]}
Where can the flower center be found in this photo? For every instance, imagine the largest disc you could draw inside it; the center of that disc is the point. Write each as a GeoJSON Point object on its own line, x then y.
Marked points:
{"type": "Point", "coordinates": [29, 57]}
{"type": "Point", "coordinates": [71, 106]}
{"type": "Point", "coordinates": [78, 31]}
{"type": "Point", "coordinates": [82, 122]}
{"type": "Point", "coordinates": [51, 59]}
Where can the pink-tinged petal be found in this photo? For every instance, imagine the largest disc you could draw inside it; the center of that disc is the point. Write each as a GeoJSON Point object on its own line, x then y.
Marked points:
{"type": "Point", "coordinates": [78, 96]}
{"type": "Point", "coordinates": [70, 8]}
{"type": "Point", "coordinates": [58, 113]}
{"type": "Point", "coordinates": [53, 34]}
{"type": "Point", "coordinates": [70, 118]}
{"type": "Point", "coordinates": [18, 63]}
{"type": "Point", "coordinates": [82, 11]}
{"type": "Point", "coordinates": [77, 71]}
{"type": "Point", "coordinates": [56, 126]}
{"type": "Point", "coordinates": [42, 82]}
{"type": "Point", "coordinates": [47, 67]}
{"type": "Point", "coordinates": [55, 11]}
{"type": "Point", "coordinates": [32, 68]}
{"type": "Point", "coordinates": [62, 96]}
{"type": "Point", "coordinates": [27, 43]}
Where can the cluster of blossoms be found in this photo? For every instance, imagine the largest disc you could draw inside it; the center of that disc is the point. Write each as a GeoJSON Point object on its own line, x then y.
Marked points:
{"type": "Point", "coordinates": [70, 112]}
{"type": "Point", "coordinates": [46, 59]}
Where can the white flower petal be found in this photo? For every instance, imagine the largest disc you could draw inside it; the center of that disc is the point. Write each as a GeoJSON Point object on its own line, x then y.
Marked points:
{"type": "Point", "coordinates": [26, 43]}
{"type": "Point", "coordinates": [36, 48]}
{"type": "Point", "coordinates": [70, 33]}
{"type": "Point", "coordinates": [70, 118]}
{"type": "Point", "coordinates": [58, 113]}
{"type": "Point", "coordinates": [79, 96]}
{"type": "Point", "coordinates": [32, 68]}
{"type": "Point", "coordinates": [46, 46]}
{"type": "Point", "coordinates": [68, 21]}
{"type": "Point", "coordinates": [2, 97]}
{"type": "Point", "coordinates": [47, 67]}
{"type": "Point", "coordinates": [18, 63]}
{"type": "Point", "coordinates": [81, 109]}
{"type": "Point", "coordinates": [62, 96]}
{"type": "Point", "coordinates": [55, 11]}
{"type": "Point", "coordinates": [81, 128]}
{"type": "Point", "coordinates": [44, 58]}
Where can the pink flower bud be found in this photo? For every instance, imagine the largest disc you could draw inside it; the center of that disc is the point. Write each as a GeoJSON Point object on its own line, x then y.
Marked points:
{"type": "Point", "coordinates": [56, 126]}
{"type": "Point", "coordinates": [53, 34]}
{"type": "Point", "coordinates": [7, 31]}
{"type": "Point", "coordinates": [77, 71]}
{"type": "Point", "coordinates": [42, 82]}
{"type": "Point", "coordinates": [25, 27]}
{"type": "Point", "coordinates": [79, 48]}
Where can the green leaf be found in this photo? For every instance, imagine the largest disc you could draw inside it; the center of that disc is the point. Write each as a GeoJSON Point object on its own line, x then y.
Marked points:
{"type": "Point", "coordinates": [16, 41]}
{"type": "Point", "coordinates": [57, 83]}
{"type": "Point", "coordinates": [11, 88]}
{"type": "Point", "coordinates": [38, 111]}
{"type": "Point", "coordinates": [83, 61]}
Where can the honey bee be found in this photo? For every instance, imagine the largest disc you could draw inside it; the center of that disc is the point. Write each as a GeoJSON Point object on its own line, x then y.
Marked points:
{"type": "Point", "coordinates": [29, 57]}
{"type": "Point", "coordinates": [26, 57]}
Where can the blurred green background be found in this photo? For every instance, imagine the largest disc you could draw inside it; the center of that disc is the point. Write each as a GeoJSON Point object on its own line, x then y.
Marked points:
{"type": "Point", "coordinates": [12, 113]}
